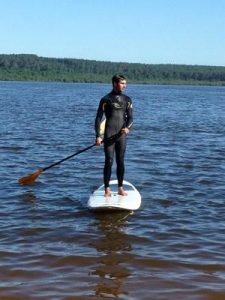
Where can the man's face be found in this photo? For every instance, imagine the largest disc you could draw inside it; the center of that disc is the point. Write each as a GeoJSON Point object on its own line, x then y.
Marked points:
{"type": "Point", "coordinates": [120, 86]}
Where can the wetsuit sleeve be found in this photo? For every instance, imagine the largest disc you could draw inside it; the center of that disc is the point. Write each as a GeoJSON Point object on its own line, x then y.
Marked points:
{"type": "Point", "coordinates": [129, 114]}
{"type": "Point", "coordinates": [98, 118]}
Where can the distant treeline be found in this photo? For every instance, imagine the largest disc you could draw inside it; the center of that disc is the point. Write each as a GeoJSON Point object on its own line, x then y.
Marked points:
{"type": "Point", "coordinates": [33, 67]}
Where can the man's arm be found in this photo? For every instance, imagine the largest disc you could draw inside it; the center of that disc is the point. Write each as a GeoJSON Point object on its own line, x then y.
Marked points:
{"type": "Point", "coordinates": [129, 113]}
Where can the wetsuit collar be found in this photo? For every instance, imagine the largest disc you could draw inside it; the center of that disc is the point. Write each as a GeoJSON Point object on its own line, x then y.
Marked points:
{"type": "Point", "coordinates": [115, 92]}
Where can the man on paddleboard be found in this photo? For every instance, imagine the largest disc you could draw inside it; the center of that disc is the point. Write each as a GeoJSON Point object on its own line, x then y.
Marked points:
{"type": "Point", "coordinates": [117, 108]}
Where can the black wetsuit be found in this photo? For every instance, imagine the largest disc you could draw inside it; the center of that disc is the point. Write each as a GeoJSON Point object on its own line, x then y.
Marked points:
{"type": "Point", "coordinates": [117, 108]}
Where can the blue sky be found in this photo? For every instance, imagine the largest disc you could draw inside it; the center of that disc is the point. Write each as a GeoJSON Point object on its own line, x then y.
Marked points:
{"type": "Point", "coordinates": [142, 31]}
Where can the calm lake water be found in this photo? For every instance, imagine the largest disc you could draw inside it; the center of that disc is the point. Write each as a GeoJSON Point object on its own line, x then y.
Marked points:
{"type": "Point", "coordinates": [53, 247]}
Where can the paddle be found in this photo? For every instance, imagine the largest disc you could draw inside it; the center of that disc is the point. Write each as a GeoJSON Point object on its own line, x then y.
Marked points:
{"type": "Point", "coordinates": [29, 179]}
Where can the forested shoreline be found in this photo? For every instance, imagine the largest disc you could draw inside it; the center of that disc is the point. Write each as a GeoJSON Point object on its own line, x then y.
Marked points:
{"type": "Point", "coordinates": [20, 67]}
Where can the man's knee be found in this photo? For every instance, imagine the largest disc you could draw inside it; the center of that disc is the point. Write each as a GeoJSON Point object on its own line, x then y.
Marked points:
{"type": "Point", "coordinates": [109, 161]}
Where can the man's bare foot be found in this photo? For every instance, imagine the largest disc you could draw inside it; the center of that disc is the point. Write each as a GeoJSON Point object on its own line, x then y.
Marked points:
{"type": "Point", "coordinates": [121, 191]}
{"type": "Point", "coordinates": [107, 192]}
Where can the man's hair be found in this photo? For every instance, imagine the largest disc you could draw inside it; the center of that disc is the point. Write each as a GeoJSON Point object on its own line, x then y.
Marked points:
{"type": "Point", "coordinates": [116, 78]}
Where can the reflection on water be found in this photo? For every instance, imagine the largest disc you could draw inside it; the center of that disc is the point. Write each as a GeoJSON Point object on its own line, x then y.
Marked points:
{"type": "Point", "coordinates": [28, 196]}
{"type": "Point", "coordinates": [114, 248]}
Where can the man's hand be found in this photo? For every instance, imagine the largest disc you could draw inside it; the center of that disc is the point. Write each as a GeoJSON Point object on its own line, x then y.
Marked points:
{"type": "Point", "coordinates": [98, 141]}
{"type": "Point", "coordinates": [125, 130]}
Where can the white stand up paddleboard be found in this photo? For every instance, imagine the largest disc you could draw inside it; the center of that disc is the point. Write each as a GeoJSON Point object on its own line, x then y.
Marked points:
{"type": "Point", "coordinates": [98, 201]}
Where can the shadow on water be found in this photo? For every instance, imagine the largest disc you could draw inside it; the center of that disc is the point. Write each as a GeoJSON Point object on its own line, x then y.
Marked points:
{"type": "Point", "coordinates": [114, 249]}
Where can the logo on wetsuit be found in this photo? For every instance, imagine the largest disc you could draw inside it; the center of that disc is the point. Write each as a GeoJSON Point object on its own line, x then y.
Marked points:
{"type": "Point", "coordinates": [117, 103]}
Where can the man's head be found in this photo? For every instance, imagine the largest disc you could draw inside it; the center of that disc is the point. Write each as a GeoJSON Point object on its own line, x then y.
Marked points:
{"type": "Point", "coordinates": [119, 82]}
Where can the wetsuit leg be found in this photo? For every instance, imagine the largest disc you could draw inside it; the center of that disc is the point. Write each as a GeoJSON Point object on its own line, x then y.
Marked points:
{"type": "Point", "coordinates": [109, 149]}
{"type": "Point", "coordinates": [120, 148]}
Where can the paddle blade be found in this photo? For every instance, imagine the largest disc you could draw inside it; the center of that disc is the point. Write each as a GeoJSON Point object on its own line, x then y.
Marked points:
{"type": "Point", "coordinates": [29, 179]}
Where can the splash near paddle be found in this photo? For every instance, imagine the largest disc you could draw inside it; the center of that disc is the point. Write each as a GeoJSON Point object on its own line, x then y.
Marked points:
{"type": "Point", "coordinates": [98, 201]}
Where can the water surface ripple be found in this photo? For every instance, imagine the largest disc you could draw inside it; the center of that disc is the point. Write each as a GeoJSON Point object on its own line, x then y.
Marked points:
{"type": "Point", "coordinates": [53, 247]}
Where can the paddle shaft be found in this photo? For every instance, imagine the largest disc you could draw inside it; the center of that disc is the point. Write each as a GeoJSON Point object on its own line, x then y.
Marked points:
{"type": "Point", "coordinates": [68, 157]}
{"type": "Point", "coordinates": [80, 151]}
{"type": "Point", "coordinates": [32, 177]}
